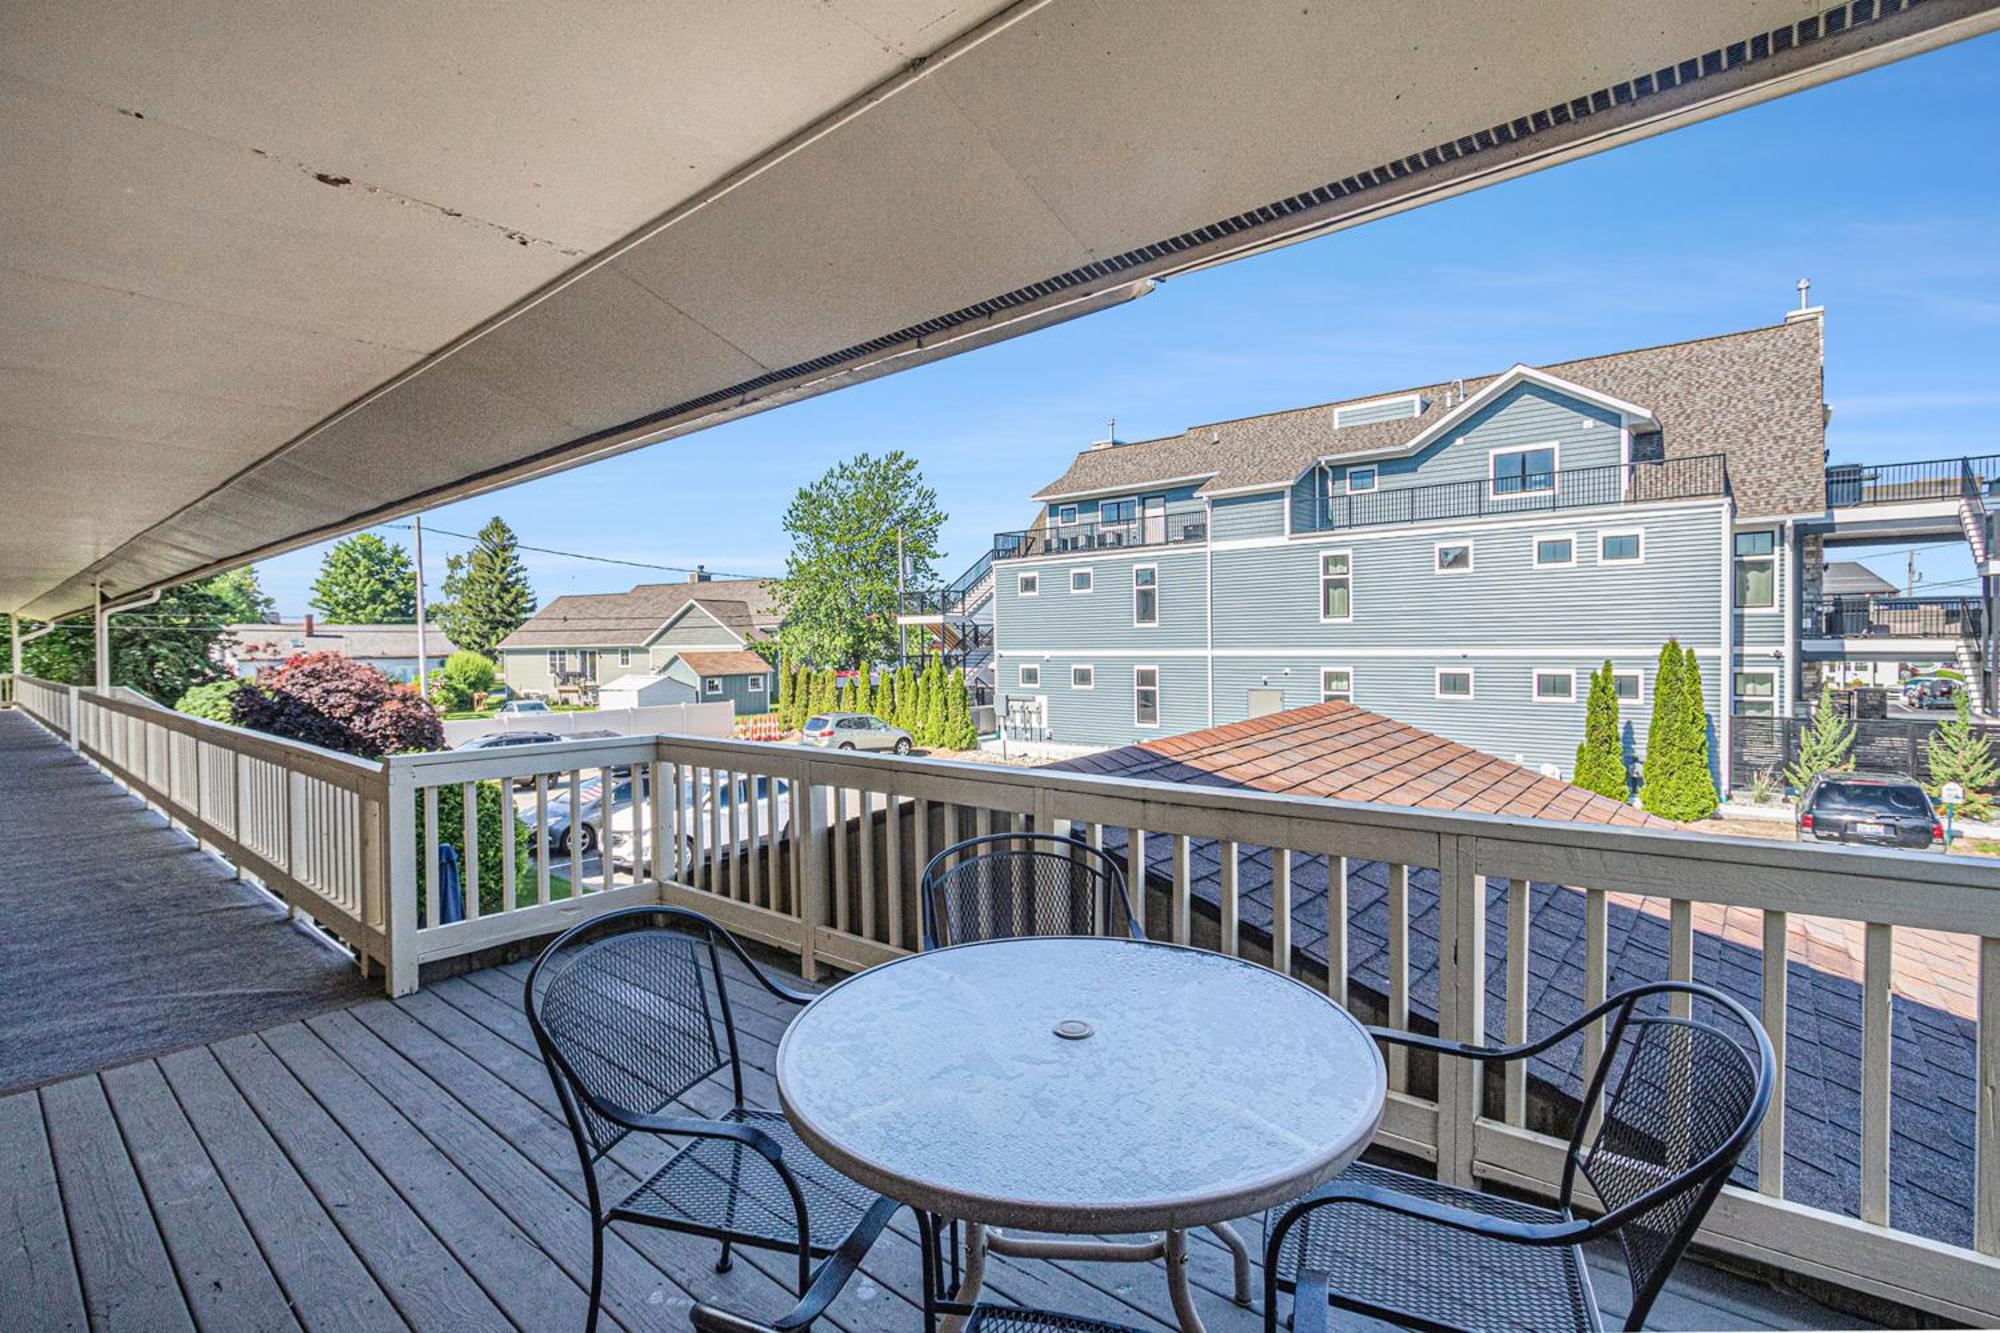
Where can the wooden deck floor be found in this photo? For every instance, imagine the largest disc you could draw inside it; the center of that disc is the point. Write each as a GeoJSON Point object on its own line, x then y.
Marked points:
{"type": "Point", "coordinates": [404, 1164]}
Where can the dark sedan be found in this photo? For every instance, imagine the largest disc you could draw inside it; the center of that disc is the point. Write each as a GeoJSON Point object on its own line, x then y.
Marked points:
{"type": "Point", "coordinates": [1873, 811]}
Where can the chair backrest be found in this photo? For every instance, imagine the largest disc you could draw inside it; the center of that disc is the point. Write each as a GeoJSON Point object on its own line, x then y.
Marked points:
{"type": "Point", "coordinates": [621, 1008]}
{"type": "Point", "coordinates": [1680, 1099]}
{"type": "Point", "coordinates": [1009, 885]}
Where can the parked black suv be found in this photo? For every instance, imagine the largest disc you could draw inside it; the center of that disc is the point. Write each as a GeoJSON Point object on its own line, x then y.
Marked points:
{"type": "Point", "coordinates": [1876, 811]}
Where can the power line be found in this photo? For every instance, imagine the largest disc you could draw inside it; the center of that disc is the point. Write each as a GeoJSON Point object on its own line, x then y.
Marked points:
{"type": "Point", "coordinates": [600, 559]}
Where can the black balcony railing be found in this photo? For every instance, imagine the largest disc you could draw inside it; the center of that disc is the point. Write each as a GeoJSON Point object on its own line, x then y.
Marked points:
{"type": "Point", "coordinates": [960, 598]}
{"type": "Point", "coordinates": [1857, 616]}
{"type": "Point", "coordinates": [1849, 484]}
{"type": "Point", "coordinates": [1566, 488]}
{"type": "Point", "coordinates": [1176, 527]}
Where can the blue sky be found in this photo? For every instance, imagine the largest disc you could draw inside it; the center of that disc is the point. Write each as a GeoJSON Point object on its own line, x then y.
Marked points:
{"type": "Point", "coordinates": [1875, 187]}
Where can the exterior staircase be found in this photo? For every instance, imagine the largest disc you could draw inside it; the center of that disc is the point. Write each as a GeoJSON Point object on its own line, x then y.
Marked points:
{"type": "Point", "coordinates": [961, 614]}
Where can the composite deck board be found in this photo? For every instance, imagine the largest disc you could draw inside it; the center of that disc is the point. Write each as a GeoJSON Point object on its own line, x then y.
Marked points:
{"type": "Point", "coordinates": [128, 1281]}
{"type": "Point", "coordinates": [222, 1272]}
{"type": "Point", "coordinates": [404, 1164]}
{"type": "Point", "coordinates": [37, 1268]}
{"type": "Point", "coordinates": [330, 1289]}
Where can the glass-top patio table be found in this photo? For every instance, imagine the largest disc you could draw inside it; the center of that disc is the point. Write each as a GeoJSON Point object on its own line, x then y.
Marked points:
{"type": "Point", "coordinates": [1082, 1087]}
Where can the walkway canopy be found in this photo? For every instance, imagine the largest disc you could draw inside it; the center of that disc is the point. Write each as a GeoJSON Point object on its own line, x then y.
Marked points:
{"type": "Point", "coordinates": [277, 271]}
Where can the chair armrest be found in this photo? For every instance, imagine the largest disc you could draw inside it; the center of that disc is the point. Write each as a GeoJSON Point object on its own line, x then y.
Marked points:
{"type": "Point", "coordinates": [1564, 1232]}
{"type": "Point", "coordinates": [827, 1281]}
{"type": "Point", "coordinates": [692, 1127]}
{"type": "Point", "coordinates": [758, 974]}
{"type": "Point", "coordinates": [1418, 1041]}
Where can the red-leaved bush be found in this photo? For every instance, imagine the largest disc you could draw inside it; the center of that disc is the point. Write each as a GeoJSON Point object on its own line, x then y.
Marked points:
{"type": "Point", "coordinates": [328, 700]}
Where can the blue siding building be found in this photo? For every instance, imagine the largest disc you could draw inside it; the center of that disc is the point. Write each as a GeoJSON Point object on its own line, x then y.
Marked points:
{"type": "Point", "coordinates": [1459, 557]}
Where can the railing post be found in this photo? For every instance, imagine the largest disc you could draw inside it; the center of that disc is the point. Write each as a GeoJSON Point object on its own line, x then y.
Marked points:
{"type": "Point", "coordinates": [812, 893]}
{"type": "Point", "coordinates": [1461, 1002]}
{"type": "Point", "coordinates": [400, 920]}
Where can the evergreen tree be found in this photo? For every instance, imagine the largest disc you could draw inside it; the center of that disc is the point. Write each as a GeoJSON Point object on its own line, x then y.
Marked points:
{"type": "Point", "coordinates": [1695, 794]}
{"type": "Point", "coordinates": [958, 723]}
{"type": "Point", "coordinates": [782, 705]}
{"type": "Point", "coordinates": [906, 697]}
{"type": "Point", "coordinates": [1827, 745]}
{"type": "Point", "coordinates": [827, 696]}
{"type": "Point", "coordinates": [935, 736]}
{"type": "Point", "coordinates": [840, 697]}
{"type": "Point", "coordinates": [365, 580]}
{"type": "Point", "coordinates": [885, 697]}
{"type": "Point", "coordinates": [1600, 759]}
{"type": "Point", "coordinates": [864, 701]}
{"type": "Point", "coordinates": [486, 592]}
{"type": "Point", "coordinates": [1965, 756]}
{"type": "Point", "coordinates": [1662, 730]}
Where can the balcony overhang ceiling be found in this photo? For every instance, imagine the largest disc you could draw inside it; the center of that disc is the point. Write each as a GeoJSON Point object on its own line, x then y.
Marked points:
{"type": "Point", "coordinates": [272, 272]}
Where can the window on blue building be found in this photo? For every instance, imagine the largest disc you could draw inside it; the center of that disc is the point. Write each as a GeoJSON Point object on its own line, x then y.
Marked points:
{"type": "Point", "coordinates": [1524, 471]}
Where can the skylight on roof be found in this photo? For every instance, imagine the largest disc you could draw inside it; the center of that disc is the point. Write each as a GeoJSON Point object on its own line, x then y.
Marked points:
{"type": "Point", "coordinates": [1379, 409]}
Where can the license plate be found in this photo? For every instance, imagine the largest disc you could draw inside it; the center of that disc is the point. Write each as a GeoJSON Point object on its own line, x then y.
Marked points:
{"type": "Point", "coordinates": [1870, 830]}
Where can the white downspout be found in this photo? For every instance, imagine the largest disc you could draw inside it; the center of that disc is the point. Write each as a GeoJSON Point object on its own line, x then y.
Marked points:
{"type": "Point", "coordinates": [1793, 559]}
{"type": "Point", "coordinates": [103, 636]}
{"type": "Point", "coordinates": [423, 678]}
{"type": "Point", "coordinates": [1726, 687]}
{"type": "Point", "coordinates": [1208, 579]}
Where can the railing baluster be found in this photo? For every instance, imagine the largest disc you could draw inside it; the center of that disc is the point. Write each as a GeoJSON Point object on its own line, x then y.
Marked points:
{"type": "Point", "coordinates": [430, 876]}
{"type": "Point", "coordinates": [1680, 953]}
{"type": "Point", "coordinates": [469, 854]}
{"type": "Point", "coordinates": [1875, 1071]}
{"type": "Point", "coordinates": [1183, 904]}
{"type": "Point", "coordinates": [1336, 928]}
{"type": "Point", "coordinates": [541, 837]}
{"type": "Point", "coordinates": [1281, 909]}
{"type": "Point", "coordinates": [752, 813]}
{"type": "Point", "coordinates": [575, 833]}
{"type": "Point", "coordinates": [1135, 873]}
{"type": "Point", "coordinates": [893, 837]}
{"type": "Point", "coordinates": [922, 859]}
{"type": "Point", "coordinates": [607, 784]}
{"type": "Point", "coordinates": [1771, 1134]}
{"type": "Point", "coordinates": [719, 881]}
{"type": "Point", "coordinates": [867, 876]}
{"type": "Point", "coordinates": [838, 827]}
{"type": "Point", "coordinates": [1518, 904]}
{"type": "Point", "coordinates": [510, 846]}
{"type": "Point", "coordinates": [1398, 895]}
{"type": "Point", "coordinates": [1229, 908]}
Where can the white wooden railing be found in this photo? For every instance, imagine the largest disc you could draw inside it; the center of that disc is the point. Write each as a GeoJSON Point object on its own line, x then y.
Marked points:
{"type": "Point", "coordinates": [840, 891]}
{"type": "Point", "coordinates": [306, 823]}
{"type": "Point", "coordinates": [837, 888]}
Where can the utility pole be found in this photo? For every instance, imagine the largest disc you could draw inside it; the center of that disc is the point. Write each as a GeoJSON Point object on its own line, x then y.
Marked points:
{"type": "Point", "coordinates": [902, 630]}
{"type": "Point", "coordinates": [423, 651]}
{"type": "Point", "coordinates": [1910, 575]}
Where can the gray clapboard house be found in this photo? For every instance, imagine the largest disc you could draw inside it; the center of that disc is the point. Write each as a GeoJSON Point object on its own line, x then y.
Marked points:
{"type": "Point", "coordinates": [582, 641]}
{"type": "Point", "coordinates": [1461, 556]}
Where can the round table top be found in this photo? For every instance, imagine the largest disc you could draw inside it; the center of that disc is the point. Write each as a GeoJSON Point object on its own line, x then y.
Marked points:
{"type": "Point", "coordinates": [1081, 1085]}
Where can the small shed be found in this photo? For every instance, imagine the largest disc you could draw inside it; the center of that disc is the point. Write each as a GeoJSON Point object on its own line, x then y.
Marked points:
{"type": "Point", "coordinates": [644, 691]}
{"type": "Point", "coordinates": [737, 676]}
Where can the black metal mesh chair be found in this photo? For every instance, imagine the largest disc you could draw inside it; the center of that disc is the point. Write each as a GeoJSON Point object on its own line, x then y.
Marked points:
{"type": "Point", "coordinates": [1009, 885]}
{"type": "Point", "coordinates": [1677, 1100]}
{"type": "Point", "coordinates": [626, 1009]}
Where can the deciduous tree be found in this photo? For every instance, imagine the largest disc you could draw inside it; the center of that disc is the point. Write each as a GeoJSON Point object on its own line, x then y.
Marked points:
{"type": "Point", "coordinates": [365, 580]}
{"type": "Point", "coordinates": [838, 595]}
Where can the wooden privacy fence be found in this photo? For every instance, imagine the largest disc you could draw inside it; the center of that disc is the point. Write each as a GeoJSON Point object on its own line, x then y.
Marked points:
{"type": "Point", "coordinates": [1881, 745]}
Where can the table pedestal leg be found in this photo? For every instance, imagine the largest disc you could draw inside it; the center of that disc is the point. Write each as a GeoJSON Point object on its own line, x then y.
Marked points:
{"type": "Point", "coordinates": [1177, 1283]}
{"type": "Point", "coordinates": [1238, 1251]}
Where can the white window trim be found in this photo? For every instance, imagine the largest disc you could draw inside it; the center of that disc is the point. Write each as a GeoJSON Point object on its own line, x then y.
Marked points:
{"type": "Point", "coordinates": [1374, 479]}
{"type": "Point", "coordinates": [1090, 581]}
{"type": "Point", "coordinates": [1437, 558]}
{"type": "Point", "coordinates": [1535, 550]}
{"type": "Point", "coordinates": [558, 660]}
{"type": "Point", "coordinates": [711, 684]}
{"type": "Point", "coordinates": [1065, 515]}
{"type": "Point", "coordinates": [1471, 683]}
{"type": "Point", "coordinates": [1154, 725]}
{"type": "Point", "coordinates": [1082, 666]}
{"type": "Point", "coordinates": [624, 657]}
{"type": "Point", "coordinates": [1535, 685]}
{"type": "Point", "coordinates": [1326, 671]}
{"type": "Point", "coordinates": [1022, 672]}
{"type": "Point", "coordinates": [1639, 678]}
{"type": "Point", "coordinates": [1736, 696]}
{"type": "Point", "coordinates": [1028, 583]}
{"type": "Point", "coordinates": [756, 685]}
{"type": "Point", "coordinates": [1493, 457]}
{"type": "Point", "coordinates": [1609, 533]}
{"type": "Point", "coordinates": [1777, 572]}
{"type": "Point", "coordinates": [1319, 589]}
{"type": "Point", "coordinates": [1154, 623]}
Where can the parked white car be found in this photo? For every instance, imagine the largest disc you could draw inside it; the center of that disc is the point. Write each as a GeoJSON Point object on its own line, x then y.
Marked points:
{"type": "Point", "coordinates": [745, 815]}
{"type": "Point", "coordinates": [589, 817]}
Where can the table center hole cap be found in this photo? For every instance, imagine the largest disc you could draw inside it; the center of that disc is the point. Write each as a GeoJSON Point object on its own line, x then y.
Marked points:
{"type": "Point", "coordinates": [1074, 1029]}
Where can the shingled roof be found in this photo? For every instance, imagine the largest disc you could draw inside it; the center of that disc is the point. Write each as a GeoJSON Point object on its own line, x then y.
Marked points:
{"type": "Point", "coordinates": [1756, 396]}
{"type": "Point", "coordinates": [1339, 750]}
{"type": "Point", "coordinates": [747, 607]}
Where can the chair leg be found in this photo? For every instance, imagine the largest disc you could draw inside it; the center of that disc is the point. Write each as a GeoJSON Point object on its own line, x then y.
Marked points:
{"type": "Point", "coordinates": [596, 1276]}
{"type": "Point", "coordinates": [723, 1264]}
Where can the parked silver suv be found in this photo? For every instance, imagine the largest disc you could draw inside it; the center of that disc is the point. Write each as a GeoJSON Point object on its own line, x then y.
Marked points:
{"type": "Point", "coordinates": [855, 731]}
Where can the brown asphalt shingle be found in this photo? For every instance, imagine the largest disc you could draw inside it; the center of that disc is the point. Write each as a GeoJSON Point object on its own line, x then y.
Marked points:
{"type": "Point", "coordinates": [1756, 396]}
{"type": "Point", "coordinates": [628, 619]}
